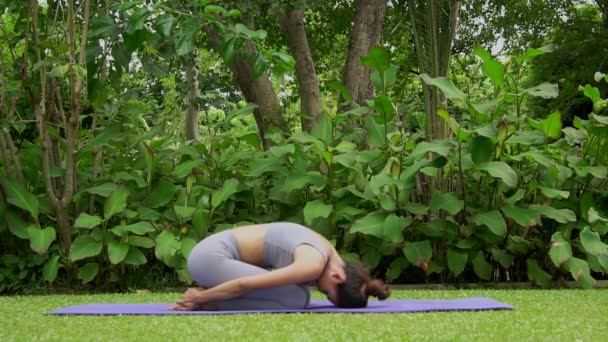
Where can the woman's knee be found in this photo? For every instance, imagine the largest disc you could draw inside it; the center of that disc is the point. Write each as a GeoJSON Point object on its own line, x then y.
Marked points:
{"type": "Point", "coordinates": [295, 297]}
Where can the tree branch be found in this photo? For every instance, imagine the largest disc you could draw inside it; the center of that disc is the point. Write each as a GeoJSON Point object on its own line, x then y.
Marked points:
{"type": "Point", "coordinates": [73, 121]}
{"type": "Point", "coordinates": [41, 109]}
{"type": "Point", "coordinates": [293, 25]}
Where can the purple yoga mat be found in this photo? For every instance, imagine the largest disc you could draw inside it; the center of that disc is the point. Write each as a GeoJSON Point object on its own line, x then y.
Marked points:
{"type": "Point", "coordinates": [388, 306]}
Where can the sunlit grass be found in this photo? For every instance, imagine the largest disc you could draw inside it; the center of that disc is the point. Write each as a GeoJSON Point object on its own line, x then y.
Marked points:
{"type": "Point", "coordinates": [540, 315]}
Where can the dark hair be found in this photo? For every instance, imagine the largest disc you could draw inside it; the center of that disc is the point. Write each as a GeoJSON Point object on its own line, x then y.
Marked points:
{"type": "Point", "coordinates": [350, 291]}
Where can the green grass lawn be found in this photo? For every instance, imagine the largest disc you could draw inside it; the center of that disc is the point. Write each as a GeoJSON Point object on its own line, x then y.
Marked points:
{"type": "Point", "coordinates": [540, 315]}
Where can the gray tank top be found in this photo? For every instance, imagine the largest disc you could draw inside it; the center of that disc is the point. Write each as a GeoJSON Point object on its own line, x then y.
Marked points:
{"type": "Point", "coordinates": [281, 240]}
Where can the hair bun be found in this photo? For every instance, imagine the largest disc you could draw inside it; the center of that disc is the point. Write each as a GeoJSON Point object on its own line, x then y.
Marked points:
{"type": "Point", "coordinates": [378, 289]}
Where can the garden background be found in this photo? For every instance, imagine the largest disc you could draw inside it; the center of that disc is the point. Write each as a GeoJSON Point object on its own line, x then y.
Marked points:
{"type": "Point", "coordinates": [439, 141]}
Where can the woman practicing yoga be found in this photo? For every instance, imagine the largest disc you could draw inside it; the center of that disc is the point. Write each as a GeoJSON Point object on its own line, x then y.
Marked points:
{"type": "Point", "coordinates": [268, 266]}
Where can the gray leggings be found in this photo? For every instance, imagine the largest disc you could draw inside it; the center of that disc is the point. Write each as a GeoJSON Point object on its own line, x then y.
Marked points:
{"type": "Point", "coordinates": [216, 260]}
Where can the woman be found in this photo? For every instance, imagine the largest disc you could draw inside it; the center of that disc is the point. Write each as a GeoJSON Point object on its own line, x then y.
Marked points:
{"type": "Point", "coordinates": [268, 266]}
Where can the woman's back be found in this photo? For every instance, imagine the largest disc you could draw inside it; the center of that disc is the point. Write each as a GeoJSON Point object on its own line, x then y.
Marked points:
{"type": "Point", "coordinates": [259, 246]}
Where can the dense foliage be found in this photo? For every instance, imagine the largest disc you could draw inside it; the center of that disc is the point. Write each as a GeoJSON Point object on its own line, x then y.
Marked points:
{"type": "Point", "coordinates": [102, 187]}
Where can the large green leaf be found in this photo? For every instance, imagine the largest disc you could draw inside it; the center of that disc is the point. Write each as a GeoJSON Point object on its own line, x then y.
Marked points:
{"type": "Point", "coordinates": [111, 131]}
{"type": "Point", "coordinates": [135, 257]}
{"type": "Point", "coordinates": [419, 253]}
{"type": "Point", "coordinates": [440, 147]}
{"type": "Point", "coordinates": [200, 222]}
{"type": "Point", "coordinates": [481, 267]}
{"type": "Point", "coordinates": [187, 246]}
{"type": "Point", "coordinates": [17, 194]}
{"type": "Point", "coordinates": [261, 166]}
{"type": "Point", "coordinates": [162, 192]}
{"type": "Point", "coordinates": [457, 260]}
{"type": "Point", "coordinates": [85, 246]}
{"type": "Point", "coordinates": [323, 128]}
{"type": "Point", "coordinates": [50, 269]}
{"type": "Point", "coordinates": [165, 22]}
{"type": "Point", "coordinates": [537, 274]}
{"type": "Point", "coordinates": [376, 133]}
{"type": "Point", "coordinates": [493, 220]}
{"type": "Point", "coordinates": [542, 158]}
{"type": "Point", "coordinates": [536, 137]}
{"type": "Point", "coordinates": [504, 258]}
{"type": "Point", "coordinates": [316, 209]}
{"type": "Point", "coordinates": [371, 224]}
{"type": "Point", "coordinates": [559, 215]}
{"type": "Point", "coordinates": [184, 169]}
{"type": "Point", "coordinates": [88, 272]}
{"type": "Point", "coordinates": [279, 151]}
{"type": "Point", "coordinates": [393, 227]}
{"type": "Point", "coordinates": [306, 139]}
{"type": "Point", "coordinates": [551, 126]}
{"type": "Point", "coordinates": [228, 189]}
{"type": "Point", "coordinates": [117, 251]}
{"type": "Point", "coordinates": [579, 269]}
{"type": "Point", "coordinates": [446, 86]}
{"type": "Point", "coordinates": [183, 213]}
{"type": "Point", "coordinates": [87, 221]}
{"type": "Point", "coordinates": [544, 90]}
{"type": "Point", "coordinates": [41, 239]}
{"type": "Point", "coordinates": [141, 241]}
{"type": "Point", "coordinates": [260, 65]}
{"type": "Point", "coordinates": [167, 245]}
{"type": "Point", "coordinates": [395, 268]}
{"type": "Point", "coordinates": [554, 193]}
{"type": "Point", "coordinates": [377, 183]}
{"type": "Point", "coordinates": [592, 242]}
{"type": "Point", "coordinates": [560, 250]}
{"type": "Point", "coordinates": [244, 30]}
{"type": "Point", "coordinates": [103, 26]}
{"type": "Point", "coordinates": [371, 257]}
{"type": "Point", "coordinates": [482, 149]}
{"type": "Point", "coordinates": [139, 228]}
{"type": "Point", "coordinates": [596, 171]}
{"type": "Point", "coordinates": [446, 201]}
{"type": "Point", "coordinates": [501, 170]}
{"type": "Point", "coordinates": [602, 120]}
{"type": "Point", "coordinates": [491, 67]}
{"type": "Point", "coordinates": [16, 224]}
{"type": "Point", "coordinates": [593, 93]}
{"type": "Point", "coordinates": [434, 228]}
{"type": "Point", "coordinates": [518, 245]}
{"type": "Point", "coordinates": [461, 133]}
{"type": "Point", "coordinates": [378, 58]}
{"type": "Point", "coordinates": [384, 107]}
{"type": "Point", "coordinates": [531, 53]}
{"type": "Point", "coordinates": [103, 190]}
{"type": "Point", "coordinates": [185, 39]}
{"type": "Point", "coordinates": [297, 180]}
{"type": "Point", "coordinates": [523, 216]}
{"type": "Point", "coordinates": [116, 203]}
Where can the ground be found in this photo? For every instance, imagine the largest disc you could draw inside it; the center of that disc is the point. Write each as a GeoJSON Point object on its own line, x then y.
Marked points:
{"type": "Point", "coordinates": [540, 315]}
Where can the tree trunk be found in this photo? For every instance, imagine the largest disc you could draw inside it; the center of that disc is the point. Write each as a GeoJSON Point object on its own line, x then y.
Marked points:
{"type": "Point", "coordinates": [434, 23]}
{"type": "Point", "coordinates": [50, 109]}
{"type": "Point", "coordinates": [260, 91]}
{"type": "Point", "coordinates": [192, 107]}
{"type": "Point", "coordinates": [366, 33]}
{"type": "Point", "coordinates": [308, 84]}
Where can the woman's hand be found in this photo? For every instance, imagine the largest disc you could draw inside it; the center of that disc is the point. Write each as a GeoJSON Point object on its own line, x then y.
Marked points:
{"type": "Point", "coordinates": [193, 301]}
